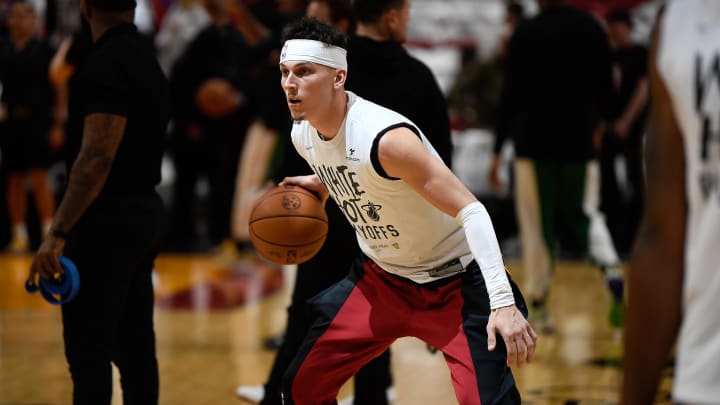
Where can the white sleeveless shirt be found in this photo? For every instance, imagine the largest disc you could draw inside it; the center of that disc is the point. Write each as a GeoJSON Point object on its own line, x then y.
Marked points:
{"type": "Point", "coordinates": [689, 63]}
{"type": "Point", "coordinates": [396, 227]}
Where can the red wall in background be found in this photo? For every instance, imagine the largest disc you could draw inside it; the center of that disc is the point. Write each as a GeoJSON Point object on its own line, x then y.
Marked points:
{"type": "Point", "coordinates": [602, 7]}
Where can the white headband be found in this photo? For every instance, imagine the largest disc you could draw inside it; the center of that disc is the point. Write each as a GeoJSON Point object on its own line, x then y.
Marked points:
{"type": "Point", "coordinates": [309, 50]}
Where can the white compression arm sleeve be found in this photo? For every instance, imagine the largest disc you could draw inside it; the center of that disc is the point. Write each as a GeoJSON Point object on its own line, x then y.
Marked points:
{"type": "Point", "coordinates": [486, 251]}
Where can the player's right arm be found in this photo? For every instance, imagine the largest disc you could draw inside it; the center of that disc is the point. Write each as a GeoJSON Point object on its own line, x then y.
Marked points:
{"type": "Point", "coordinates": [656, 265]}
{"type": "Point", "coordinates": [403, 155]}
{"type": "Point", "coordinates": [102, 134]}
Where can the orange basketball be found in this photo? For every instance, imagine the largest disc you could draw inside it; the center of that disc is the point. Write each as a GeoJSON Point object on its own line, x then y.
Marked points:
{"type": "Point", "coordinates": [288, 225]}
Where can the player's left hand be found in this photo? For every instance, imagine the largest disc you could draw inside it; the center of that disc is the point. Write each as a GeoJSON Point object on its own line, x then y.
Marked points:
{"type": "Point", "coordinates": [46, 261]}
{"type": "Point", "coordinates": [311, 182]}
{"type": "Point", "coordinates": [520, 338]}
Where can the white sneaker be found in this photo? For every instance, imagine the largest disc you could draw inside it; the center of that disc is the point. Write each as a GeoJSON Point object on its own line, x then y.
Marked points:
{"type": "Point", "coordinates": [391, 394]}
{"type": "Point", "coordinates": [348, 400]}
{"type": "Point", "coordinates": [251, 393]}
{"type": "Point", "coordinates": [19, 244]}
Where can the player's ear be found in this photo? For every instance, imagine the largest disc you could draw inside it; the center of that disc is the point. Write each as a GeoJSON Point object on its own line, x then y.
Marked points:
{"type": "Point", "coordinates": [390, 19]}
{"type": "Point", "coordinates": [340, 77]}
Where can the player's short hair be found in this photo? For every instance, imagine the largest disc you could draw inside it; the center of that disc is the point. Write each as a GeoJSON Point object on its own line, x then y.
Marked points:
{"type": "Point", "coordinates": [370, 11]}
{"type": "Point", "coordinates": [113, 5]}
{"type": "Point", "coordinates": [311, 28]}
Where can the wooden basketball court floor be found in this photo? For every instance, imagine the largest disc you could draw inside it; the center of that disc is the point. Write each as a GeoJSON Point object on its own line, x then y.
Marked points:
{"type": "Point", "coordinates": [213, 313]}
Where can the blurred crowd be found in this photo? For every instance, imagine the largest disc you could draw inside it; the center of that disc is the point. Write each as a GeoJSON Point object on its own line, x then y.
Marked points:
{"type": "Point", "coordinates": [230, 122]}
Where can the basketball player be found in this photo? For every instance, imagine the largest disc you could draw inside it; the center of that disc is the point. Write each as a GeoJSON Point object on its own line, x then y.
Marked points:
{"type": "Point", "coordinates": [675, 266]}
{"type": "Point", "coordinates": [431, 265]}
{"type": "Point", "coordinates": [109, 219]}
{"type": "Point", "coordinates": [373, 382]}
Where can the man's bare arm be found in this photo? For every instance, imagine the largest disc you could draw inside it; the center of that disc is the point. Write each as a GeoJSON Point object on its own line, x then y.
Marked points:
{"type": "Point", "coordinates": [102, 134]}
{"type": "Point", "coordinates": [656, 265]}
{"type": "Point", "coordinates": [402, 155]}
{"type": "Point", "coordinates": [638, 100]}
{"type": "Point", "coordinates": [637, 103]}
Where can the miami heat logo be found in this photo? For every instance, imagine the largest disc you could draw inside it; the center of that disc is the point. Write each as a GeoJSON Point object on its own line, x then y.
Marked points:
{"type": "Point", "coordinates": [372, 210]}
{"type": "Point", "coordinates": [283, 53]}
{"type": "Point", "coordinates": [291, 202]}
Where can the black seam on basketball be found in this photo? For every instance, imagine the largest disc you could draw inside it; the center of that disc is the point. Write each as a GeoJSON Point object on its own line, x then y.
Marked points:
{"type": "Point", "coordinates": [288, 216]}
{"type": "Point", "coordinates": [284, 245]}
{"type": "Point", "coordinates": [298, 189]}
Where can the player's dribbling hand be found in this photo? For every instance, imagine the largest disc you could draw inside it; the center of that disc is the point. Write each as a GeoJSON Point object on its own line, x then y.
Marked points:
{"type": "Point", "coordinates": [520, 338]}
{"type": "Point", "coordinates": [46, 261]}
{"type": "Point", "coordinates": [311, 182]}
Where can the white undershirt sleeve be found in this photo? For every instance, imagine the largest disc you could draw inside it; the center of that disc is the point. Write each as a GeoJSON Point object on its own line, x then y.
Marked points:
{"type": "Point", "coordinates": [486, 251]}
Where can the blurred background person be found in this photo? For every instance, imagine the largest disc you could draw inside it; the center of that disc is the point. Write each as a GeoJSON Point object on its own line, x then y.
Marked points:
{"type": "Point", "coordinates": [379, 61]}
{"type": "Point", "coordinates": [64, 68]}
{"type": "Point", "coordinates": [27, 102]}
{"type": "Point", "coordinates": [213, 107]}
{"type": "Point", "coordinates": [621, 155]}
{"type": "Point", "coordinates": [180, 24]}
{"type": "Point", "coordinates": [62, 19]}
{"type": "Point", "coordinates": [556, 92]}
{"type": "Point", "coordinates": [514, 15]}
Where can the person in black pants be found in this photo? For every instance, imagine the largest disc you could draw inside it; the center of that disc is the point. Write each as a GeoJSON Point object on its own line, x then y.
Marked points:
{"type": "Point", "coordinates": [555, 95]}
{"type": "Point", "coordinates": [622, 203]}
{"type": "Point", "coordinates": [109, 219]}
{"type": "Point", "coordinates": [205, 142]}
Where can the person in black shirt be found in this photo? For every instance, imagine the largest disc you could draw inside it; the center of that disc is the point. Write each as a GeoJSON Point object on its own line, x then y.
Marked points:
{"type": "Point", "coordinates": [110, 216]}
{"type": "Point", "coordinates": [27, 100]}
{"type": "Point", "coordinates": [624, 135]}
{"type": "Point", "coordinates": [386, 74]}
{"type": "Point", "coordinates": [555, 96]}
{"type": "Point", "coordinates": [208, 141]}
